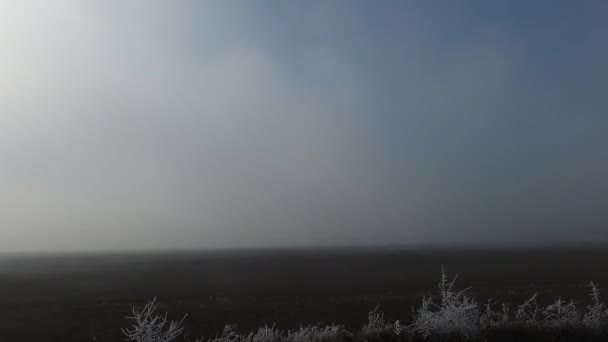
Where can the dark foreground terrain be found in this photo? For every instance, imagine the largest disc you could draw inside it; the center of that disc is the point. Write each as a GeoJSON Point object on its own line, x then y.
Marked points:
{"type": "Point", "coordinates": [75, 297]}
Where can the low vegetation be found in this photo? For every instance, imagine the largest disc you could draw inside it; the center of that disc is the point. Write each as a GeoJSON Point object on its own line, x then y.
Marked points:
{"type": "Point", "coordinates": [453, 317]}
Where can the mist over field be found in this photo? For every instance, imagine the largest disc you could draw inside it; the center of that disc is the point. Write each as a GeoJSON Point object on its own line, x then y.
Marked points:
{"type": "Point", "coordinates": [130, 125]}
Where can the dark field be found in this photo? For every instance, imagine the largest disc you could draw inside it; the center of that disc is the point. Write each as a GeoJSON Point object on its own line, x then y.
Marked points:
{"type": "Point", "coordinates": [75, 297]}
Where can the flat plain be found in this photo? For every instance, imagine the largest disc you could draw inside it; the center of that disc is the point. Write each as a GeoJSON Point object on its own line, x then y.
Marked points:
{"type": "Point", "coordinates": [77, 297]}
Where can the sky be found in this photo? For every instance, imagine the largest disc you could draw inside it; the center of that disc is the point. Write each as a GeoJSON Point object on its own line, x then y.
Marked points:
{"type": "Point", "coordinates": [212, 124]}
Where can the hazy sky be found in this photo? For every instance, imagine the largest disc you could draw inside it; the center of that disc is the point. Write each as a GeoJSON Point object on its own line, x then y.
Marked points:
{"type": "Point", "coordinates": [162, 124]}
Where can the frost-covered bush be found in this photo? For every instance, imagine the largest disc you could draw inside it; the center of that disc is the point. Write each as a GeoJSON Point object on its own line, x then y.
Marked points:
{"type": "Point", "coordinates": [377, 326]}
{"type": "Point", "coordinates": [264, 334]}
{"type": "Point", "coordinates": [457, 315]}
{"type": "Point", "coordinates": [330, 333]}
{"type": "Point", "coordinates": [527, 313]}
{"type": "Point", "coordinates": [315, 333]}
{"type": "Point", "coordinates": [454, 317]}
{"type": "Point", "coordinates": [596, 314]}
{"type": "Point", "coordinates": [491, 318]}
{"type": "Point", "coordinates": [228, 335]}
{"type": "Point", "coordinates": [149, 327]}
{"type": "Point", "coordinates": [460, 316]}
{"type": "Point", "coordinates": [561, 315]}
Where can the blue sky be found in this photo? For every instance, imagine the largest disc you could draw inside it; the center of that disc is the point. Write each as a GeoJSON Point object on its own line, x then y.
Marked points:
{"type": "Point", "coordinates": [187, 124]}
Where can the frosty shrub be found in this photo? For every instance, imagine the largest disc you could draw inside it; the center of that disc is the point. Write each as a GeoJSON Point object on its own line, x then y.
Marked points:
{"type": "Point", "coordinates": [457, 315]}
{"type": "Point", "coordinates": [149, 327]}
{"type": "Point", "coordinates": [265, 334]}
{"type": "Point", "coordinates": [315, 333]}
{"type": "Point", "coordinates": [377, 326]}
{"type": "Point", "coordinates": [527, 314]}
{"type": "Point", "coordinates": [596, 312]}
{"type": "Point", "coordinates": [228, 335]}
{"type": "Point", "coordinates": [491, 318]}
{"type": "Point", "coordinates": [454, 317]}
{"type": "Point", "coordinates": [561, 315]}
